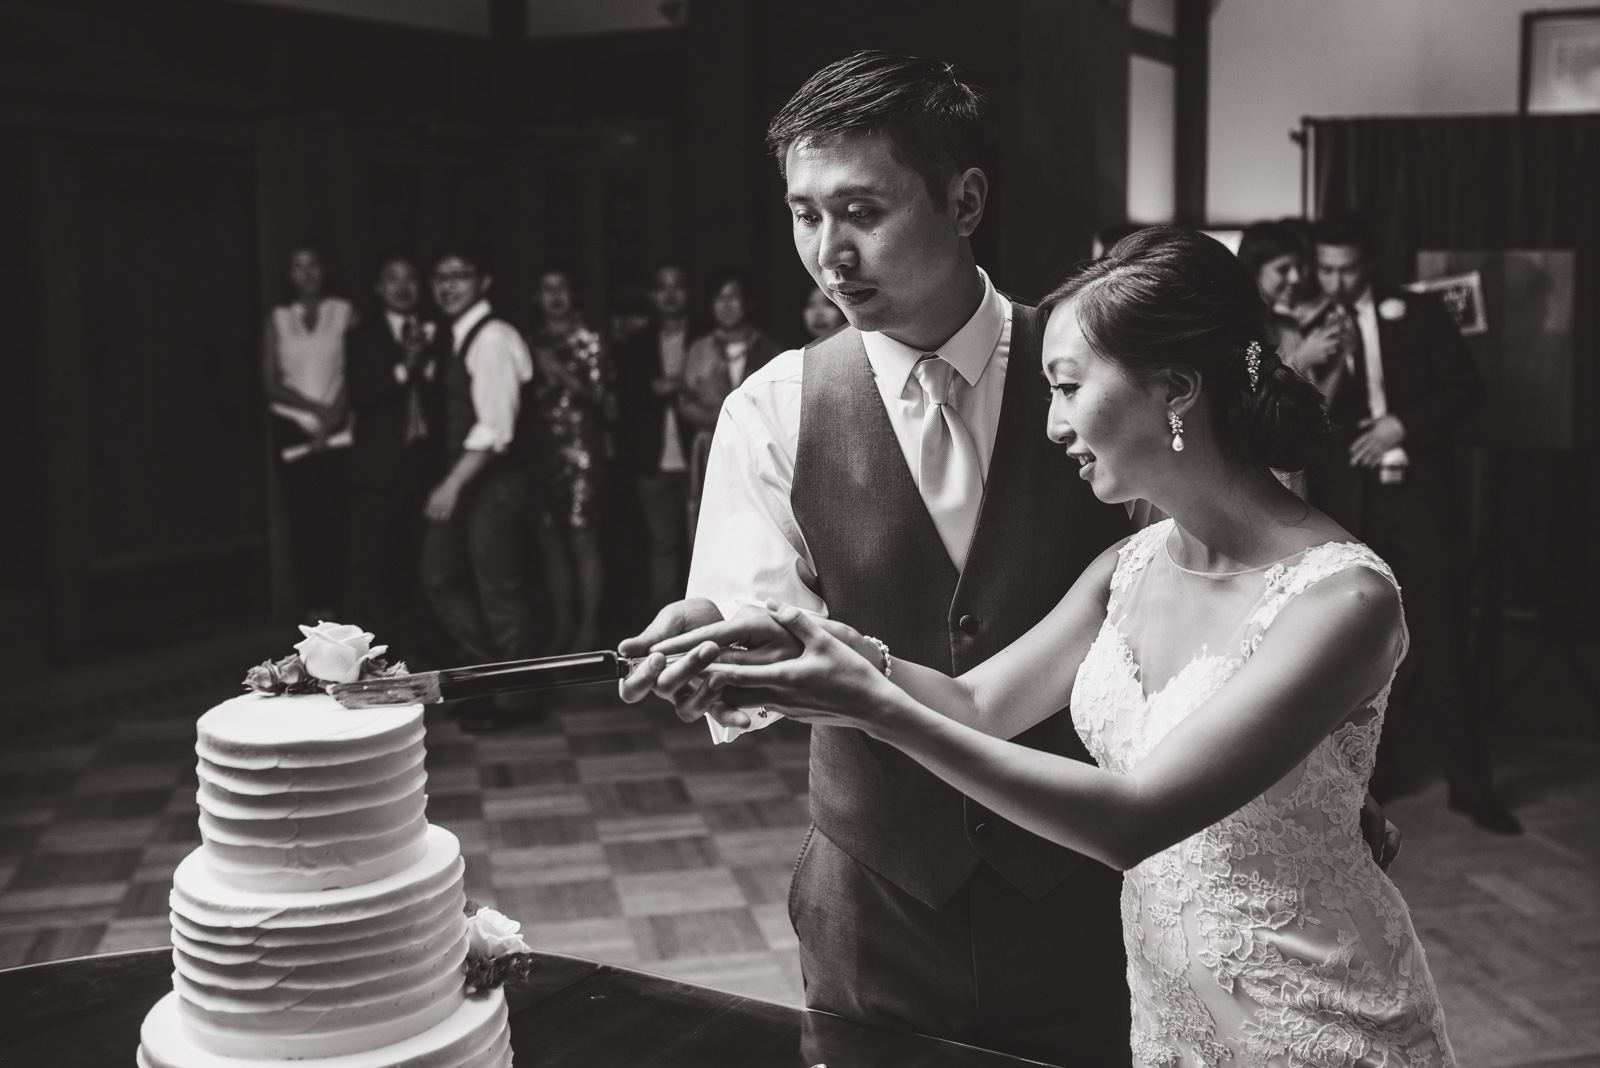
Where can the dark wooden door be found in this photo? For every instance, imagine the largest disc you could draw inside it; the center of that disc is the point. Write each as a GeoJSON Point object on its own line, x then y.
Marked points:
{"type": "Point", "coordinates": [158, 520]}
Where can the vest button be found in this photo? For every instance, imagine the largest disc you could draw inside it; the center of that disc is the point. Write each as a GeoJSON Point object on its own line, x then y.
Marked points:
{"type": "Point", "coordinates": [969, 624]}
{"type": "Point", "coordinates": [980, 830]}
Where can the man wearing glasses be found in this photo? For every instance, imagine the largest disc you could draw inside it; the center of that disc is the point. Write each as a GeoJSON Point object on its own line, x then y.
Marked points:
{"type": "Point", "coordinates": [472, 554]}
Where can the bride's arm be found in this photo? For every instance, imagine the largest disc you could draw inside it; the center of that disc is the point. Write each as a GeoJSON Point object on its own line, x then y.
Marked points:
{"type": "Point", "coordinates": [1328, 652]}
{"type": "Point", "coordinates": [1031, 679]}
{"type": "Point", "coordinates": [1026, 682]}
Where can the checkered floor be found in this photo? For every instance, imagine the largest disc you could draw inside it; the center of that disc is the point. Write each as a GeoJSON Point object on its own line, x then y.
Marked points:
{"type": "Point", "coordinates": [613, 832]}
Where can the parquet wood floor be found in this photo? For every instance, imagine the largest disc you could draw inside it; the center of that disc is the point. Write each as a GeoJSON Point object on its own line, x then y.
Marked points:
{"type": "Point", "coordinates": [622, 835]}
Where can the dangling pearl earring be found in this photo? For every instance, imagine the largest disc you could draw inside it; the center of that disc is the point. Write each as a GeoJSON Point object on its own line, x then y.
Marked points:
{"type": "Point", "coordinates": [1176, 422]}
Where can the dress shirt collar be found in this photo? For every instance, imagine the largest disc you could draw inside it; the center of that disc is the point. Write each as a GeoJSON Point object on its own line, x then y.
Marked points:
{"type": "Point", "coordinates": [968, 351]}
{"type": "Point", "coordinates": [397, 324]}
{"type": "Point", "coordinates": [469, 319]}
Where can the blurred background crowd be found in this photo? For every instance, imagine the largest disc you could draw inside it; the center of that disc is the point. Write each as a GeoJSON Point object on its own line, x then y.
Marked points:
{"type": "Point", "coordinates": [591, 438]}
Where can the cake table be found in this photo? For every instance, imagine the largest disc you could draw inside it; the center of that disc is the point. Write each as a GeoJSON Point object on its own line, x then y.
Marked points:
{"type": "Point", "coordinates": [573, 1013]}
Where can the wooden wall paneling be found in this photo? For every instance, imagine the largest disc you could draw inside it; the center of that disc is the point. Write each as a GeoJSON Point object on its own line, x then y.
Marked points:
{"type": "Point", "coordinates": [1066, 148]}
{"type": "Point", "coordinates": [1193, 64]}
{"type": "Point", "coordinates": [723, 138]}
{"type": "Point", "coordinates": [24, 411]}
{"type": "Point", "coordinates": [170, 355]}
{"type": "Point", "coordinates": [61, 350]}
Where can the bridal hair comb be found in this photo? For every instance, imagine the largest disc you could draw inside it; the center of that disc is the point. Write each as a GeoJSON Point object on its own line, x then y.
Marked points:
{"type": "Point", "coordinates": [1252, 364]}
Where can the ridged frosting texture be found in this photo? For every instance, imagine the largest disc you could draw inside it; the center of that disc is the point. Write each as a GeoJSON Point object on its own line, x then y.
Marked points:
{"type": "Point", "coordinates": [302, 793]}
{"type": "Point", "coordinates": [321, 922]}
{"type": "Point", "coordinates": [474, 1036]}
{"type": "Point", "coordinates": [324, 972]}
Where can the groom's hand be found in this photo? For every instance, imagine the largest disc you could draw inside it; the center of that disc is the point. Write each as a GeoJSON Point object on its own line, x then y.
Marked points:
{"type": "Point", "coordinates": [752, 636]}
{"type": "Point", "coordinates": [677, 618]}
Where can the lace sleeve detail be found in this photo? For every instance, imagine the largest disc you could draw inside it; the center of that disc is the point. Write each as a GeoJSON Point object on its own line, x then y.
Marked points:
{"type": "Point", "coordinates": [1132, 557]}
{"type": "Point", "coordinates": [1324, 561]}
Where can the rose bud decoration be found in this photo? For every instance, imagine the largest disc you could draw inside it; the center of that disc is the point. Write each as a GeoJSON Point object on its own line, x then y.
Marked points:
{"type": "Point", "coordinates": [492, 934]}
{"type": "Point", "coordinates": [333, 652]}
{"type": "Point", "coordinates": [262, 677]}
{"type": "Point", "coordinates": [290, 671]}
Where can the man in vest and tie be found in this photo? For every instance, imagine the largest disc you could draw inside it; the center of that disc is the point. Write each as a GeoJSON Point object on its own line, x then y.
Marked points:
{"type": "Point", "coordinates": [896, 476]}
{"type": "Point", "coordinates": [395, 372]}
{"type": "Point", "coordinates": [473, 567]}
{"type": "Point", "coordinates": [1407, 392]}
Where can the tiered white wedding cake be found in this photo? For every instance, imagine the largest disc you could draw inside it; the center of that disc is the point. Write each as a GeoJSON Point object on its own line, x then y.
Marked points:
{"type": "Point", "coordinates": [321, 922]}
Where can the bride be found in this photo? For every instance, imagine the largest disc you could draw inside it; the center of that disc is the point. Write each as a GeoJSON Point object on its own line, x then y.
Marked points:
{"type": "Point", "coordinates": [1228, 668]}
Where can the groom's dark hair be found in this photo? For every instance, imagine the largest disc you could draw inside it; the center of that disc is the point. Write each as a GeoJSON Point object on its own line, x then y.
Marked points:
{"type": "Point", "coordinates": [933, 120]}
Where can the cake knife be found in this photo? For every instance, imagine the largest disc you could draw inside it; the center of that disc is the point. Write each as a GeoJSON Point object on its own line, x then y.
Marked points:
{"type": "Point", "coordinates": [486, 680]}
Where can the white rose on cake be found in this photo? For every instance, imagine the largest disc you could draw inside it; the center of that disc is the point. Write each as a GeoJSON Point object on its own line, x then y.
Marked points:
{"type": "Point", "coordinates": [494, 934]}
{"type": "Point", "coordinates": [334, 652]}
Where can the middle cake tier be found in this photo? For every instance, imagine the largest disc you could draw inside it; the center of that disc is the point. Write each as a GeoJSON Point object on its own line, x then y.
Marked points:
{"type": "Point", "coordinates": [319, 973]}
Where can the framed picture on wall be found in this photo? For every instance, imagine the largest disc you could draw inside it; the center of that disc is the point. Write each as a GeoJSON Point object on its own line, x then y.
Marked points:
{"type": "Point", "coordinates": [1463, 299]}
{"type": "Point", "coordinates": [1561, 61]}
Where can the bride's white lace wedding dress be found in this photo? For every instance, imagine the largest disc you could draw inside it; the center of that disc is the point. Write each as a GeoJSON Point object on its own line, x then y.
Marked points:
{"type": "Point", "coordinates": [1270, 938]}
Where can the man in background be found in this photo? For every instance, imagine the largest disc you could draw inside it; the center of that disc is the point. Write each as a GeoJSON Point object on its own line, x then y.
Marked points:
{"type": "Point", "coordinates": [1409, 390]}
{"type": "Point", "coordinates": [650, 440]}
{"type": "Point", "coordinates": [396, 381]}
{"type": "Point", "coordinates": [474, 551]}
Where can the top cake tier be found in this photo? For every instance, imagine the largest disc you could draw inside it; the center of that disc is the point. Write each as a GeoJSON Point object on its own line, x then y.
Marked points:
{"type": "Point", "coordinates": [301, 793]}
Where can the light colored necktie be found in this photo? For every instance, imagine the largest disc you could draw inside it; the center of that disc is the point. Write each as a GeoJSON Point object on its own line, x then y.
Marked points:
{"type": "Point", "coordinates": [948, 474]}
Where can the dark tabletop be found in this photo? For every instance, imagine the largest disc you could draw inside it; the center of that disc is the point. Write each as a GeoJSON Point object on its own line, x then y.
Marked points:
{"type": "Point", "coordinates": [85, 1013]}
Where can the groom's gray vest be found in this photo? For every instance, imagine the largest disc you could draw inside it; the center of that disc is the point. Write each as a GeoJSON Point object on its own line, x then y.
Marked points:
{"type": "Point", "coordinates": [883, 570]}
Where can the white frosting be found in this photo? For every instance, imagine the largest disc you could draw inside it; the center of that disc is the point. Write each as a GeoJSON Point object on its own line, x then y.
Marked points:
{"type": "Point", "coordinates": [301, 793]}
{"type": "Point", "coordinates": [322, 920]}
{"type": "Point", "coordinates": [474, 1035]}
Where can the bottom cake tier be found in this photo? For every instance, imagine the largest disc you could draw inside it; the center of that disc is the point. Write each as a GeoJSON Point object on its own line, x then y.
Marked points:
{"type": "Point", "coordinates": [474, 1036]}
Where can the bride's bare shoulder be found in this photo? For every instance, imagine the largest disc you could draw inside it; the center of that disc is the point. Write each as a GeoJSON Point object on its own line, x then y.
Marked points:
{"type": "Point", "coordinates": [1356, 600]}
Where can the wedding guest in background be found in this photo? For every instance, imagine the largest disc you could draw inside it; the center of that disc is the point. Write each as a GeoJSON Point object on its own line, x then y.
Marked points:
{"type": "Point", "coordinates": [303, 368]}
{"type": "Point", "coordinates": [474, 550]}
{"type": "Point", "coordinates": [574, 403]}
{"type": "Point", "coordinates": [396, 371]}
{"type": "Point", "coordinates": [718, 362]}
{"type": "Point", "coordinates": [1409, 389]}
{"type": "Point", "coordinates": [1310, 330]}
{"type": "Point", "coordinates": [820, 315]}
{"type": "Point", "coordinates": [651, 448]}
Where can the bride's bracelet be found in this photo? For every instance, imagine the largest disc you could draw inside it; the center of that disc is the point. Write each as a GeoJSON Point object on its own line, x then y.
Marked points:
{"type": "Point", "coordinates": [882, 648]}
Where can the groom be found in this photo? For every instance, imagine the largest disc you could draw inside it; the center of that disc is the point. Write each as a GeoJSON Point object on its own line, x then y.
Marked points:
{"type": "Point", "coordinates": [896, 476]}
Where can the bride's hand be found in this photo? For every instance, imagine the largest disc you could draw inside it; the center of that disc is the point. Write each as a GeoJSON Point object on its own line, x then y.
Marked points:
{"type": "Point", "coordinates": [828, 683]}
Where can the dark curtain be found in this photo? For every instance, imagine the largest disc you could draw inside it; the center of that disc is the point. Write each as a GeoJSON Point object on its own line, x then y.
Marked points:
{"type": "Point", "coordinates": [1494, 182]}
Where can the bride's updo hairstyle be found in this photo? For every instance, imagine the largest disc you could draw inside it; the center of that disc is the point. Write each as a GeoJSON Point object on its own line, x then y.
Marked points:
{"type": "Point", "coordinates": [1168, 297]}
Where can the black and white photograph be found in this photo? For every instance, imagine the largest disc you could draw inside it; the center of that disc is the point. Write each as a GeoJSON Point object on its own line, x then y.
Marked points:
{"type": "Point", "coordinates": [829, 534]}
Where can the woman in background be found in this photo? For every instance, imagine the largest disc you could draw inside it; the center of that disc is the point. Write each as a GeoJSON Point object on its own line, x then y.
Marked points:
{"type": "Point", "coordinates": [1310, 330]}
{"type": "Point", "coordinates": [573, 402]}
{"type": "Point", "coordinates": [303, 369]}
{"type": "Point", "coordinates": [715, 365]}
{"type": "Point", "coordinates": [821, 315]}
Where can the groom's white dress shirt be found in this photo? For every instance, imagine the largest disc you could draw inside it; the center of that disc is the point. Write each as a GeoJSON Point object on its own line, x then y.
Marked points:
{"type": "Point", "coordinates": [748, 545]}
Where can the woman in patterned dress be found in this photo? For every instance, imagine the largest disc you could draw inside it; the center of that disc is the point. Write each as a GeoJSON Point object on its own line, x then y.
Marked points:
{"type": "Point", "coordinates": [1228, 668]}
{"type": "Point", "coordinates": [574, 402]}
